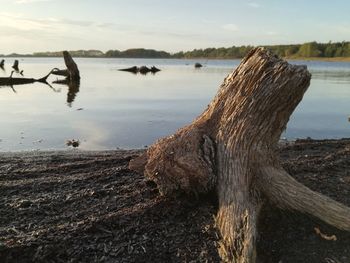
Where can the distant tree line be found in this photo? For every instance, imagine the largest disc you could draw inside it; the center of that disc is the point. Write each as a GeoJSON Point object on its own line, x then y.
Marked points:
{"type": "Point", "coordinates": [231, 52]}
{"type": "Point", "coordinates": [138, 53]}
{"type": "Point", "coordinates": [76, 53]}
{"type": "Point", "coordinates": [306, 50]}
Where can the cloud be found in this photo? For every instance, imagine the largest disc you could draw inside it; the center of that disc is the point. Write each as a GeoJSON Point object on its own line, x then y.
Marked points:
{"type": "Point", "coordinates": [342, 29]}
{"type": "Point", "coordinates": [271, 33]}
{"type": "Point", "coordinates": [17, 21]}
{"type": "Point", "coordinates": [21, 22]}
{"type": "Point", "coordinates": [83, 23]}
{"type": "Point", "coordinates": [26, 34]}
{"type": "Point", "coordinates": [35, 34]}
{"type": "Point", "coordinates": [105, 25]}
{"type": "Point", "coordinates": [30, 1]}
{"type": "Point", "coordinates": [230, 27]}
{"type": "Point", "coordinates": [94, 136]}
{"type": "Point", "coordinates": [254, 5]}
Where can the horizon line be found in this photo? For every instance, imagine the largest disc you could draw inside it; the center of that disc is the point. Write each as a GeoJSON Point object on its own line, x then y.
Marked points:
{"type": "Point", "coordinates": [172, 53]}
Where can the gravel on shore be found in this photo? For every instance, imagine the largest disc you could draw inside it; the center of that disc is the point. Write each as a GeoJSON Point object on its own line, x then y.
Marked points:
{"type": "Point", "coordinates": [76, 206]}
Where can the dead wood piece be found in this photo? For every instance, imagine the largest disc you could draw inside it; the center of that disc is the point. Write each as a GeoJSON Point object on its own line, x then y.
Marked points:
{"type": "Point", "coordinates": [72, 67]}
{"type": "Point", "coordinates": [133, 69]}
{"type": "Point", "coordinates": [61, 72]}
{"type": "Point", "coordinates": [231, 147]}
{"type": "Point", "coordinates": [15, 65]}
{"type": "Point", "coordinates": [10, 81]}
{"type": "Point", "coordinates": [72, 79]}
{"type": "Point", "coordinates": [192, 166]}
{"type": "Point", "coordinates": [324, 236]}
{"type": "Point", "coordinates": [154, 69]}
{"type": "Point", "coordinates": [142, 70]}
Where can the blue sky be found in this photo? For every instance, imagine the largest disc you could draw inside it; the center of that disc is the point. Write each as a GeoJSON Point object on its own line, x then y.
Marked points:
{"type": "Point", "coordinates": [28, 26]}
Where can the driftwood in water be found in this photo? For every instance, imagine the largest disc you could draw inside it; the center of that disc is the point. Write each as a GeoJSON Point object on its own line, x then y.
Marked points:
{"type": "Point", "coordinates": [72, 67]}
{"type": "Point", "coordinates": [15, 65]}
{"type": "Point", "coordinates": [231, 147]}
{"type": "Point", "coordinates": [154, 69]}
{"type": "Point", "coordinates": [61, 72]}
{"type": "Point", "coordinates": [10, 81]}
{"type": "Point", "coordinates": [133, 69]}
{"type": "Point", "coordinates": [142, 70]}
{"type": "Point", "coordinates": [72, 75]}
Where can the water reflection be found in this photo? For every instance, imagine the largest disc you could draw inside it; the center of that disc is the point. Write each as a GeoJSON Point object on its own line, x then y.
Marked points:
{"type": "Point", "coordinates": [73, 89]}
{"type": "Point", "coordinates": [11, 86]}
{"type": "Point", "coordinates": [332, 75]}
{"type": "Point", "coordinates": [127, 111]}
{"type": "Point", "coordinates": [11, 82]}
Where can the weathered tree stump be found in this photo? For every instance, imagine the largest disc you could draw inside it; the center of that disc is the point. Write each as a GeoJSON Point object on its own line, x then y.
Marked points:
{"type": "Point", "coordinates": [231, 147]}
{"type": "Point", "coordinates": [72, 79]}
{"type": "Point", "coordinates": [15, 65]}
{"type": "Point", "coordinates": [72, 67]}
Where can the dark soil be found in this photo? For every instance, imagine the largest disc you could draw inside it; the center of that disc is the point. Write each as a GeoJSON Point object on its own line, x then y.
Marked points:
{"type": "Point", "coordinates": [88, 207]}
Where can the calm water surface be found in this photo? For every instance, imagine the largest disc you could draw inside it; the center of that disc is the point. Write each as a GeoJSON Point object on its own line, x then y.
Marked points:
{"type": "Point", "coordinates": [114, 109]}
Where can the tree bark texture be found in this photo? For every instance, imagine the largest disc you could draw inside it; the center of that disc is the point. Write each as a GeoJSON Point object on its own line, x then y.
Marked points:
{"type": "Point", "coordinates": [231, 147]}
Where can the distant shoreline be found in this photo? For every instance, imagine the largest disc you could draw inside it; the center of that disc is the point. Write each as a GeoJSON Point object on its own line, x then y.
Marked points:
{"type": "Point", "coordinates": [325, 59]}
{"type": "Point", "coordinates": [310, 51]}
{"type": "Point", "coordinates": [322, 59]}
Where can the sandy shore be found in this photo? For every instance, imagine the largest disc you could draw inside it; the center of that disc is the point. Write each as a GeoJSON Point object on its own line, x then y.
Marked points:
{"type": "Point", "coordinates": [75, 206]}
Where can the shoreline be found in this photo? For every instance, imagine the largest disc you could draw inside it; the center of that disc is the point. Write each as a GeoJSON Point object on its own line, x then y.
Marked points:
{"type": "Point", "coordinates": [82, 206]}
{"type": "Point", "coordinates": [76, 151]}
{"type": "Point", "coordinates": [321, 59]}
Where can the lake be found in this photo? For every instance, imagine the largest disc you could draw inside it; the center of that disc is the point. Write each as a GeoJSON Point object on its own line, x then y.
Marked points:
{"type": "Point", "coordinates": [114, 109]}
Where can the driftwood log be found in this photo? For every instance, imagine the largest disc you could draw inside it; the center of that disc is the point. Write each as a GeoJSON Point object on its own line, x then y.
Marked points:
{"type": "Point", "coordinates": [10, 81]}
{"type": "Point", "coordinates": [61, 72]}
{"type": "Point", "coordinates": [142, 70]}
{"type": "Point", "coordinates": [72, 79]}
{"type": "Point", "coordinates": [231, 147]}
{"type": "Point", "coordinates": [74, 75]}
{"type": "Point", "coordinates": [71, 72]}
{"type": "Point", "coordinates": [15, 65]}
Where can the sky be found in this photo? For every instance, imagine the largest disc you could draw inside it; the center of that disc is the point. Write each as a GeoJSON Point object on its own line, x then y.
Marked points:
{"type": "Point", "coordinates": [28, 26]}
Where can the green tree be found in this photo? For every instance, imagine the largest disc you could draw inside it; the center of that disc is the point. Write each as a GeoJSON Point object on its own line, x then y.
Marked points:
{"type": "Point", "coordinates": [309, 50]}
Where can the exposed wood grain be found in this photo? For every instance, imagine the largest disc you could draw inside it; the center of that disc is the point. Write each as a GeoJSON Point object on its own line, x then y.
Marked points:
{"type": "Point", "coordinates": [243, 124]}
